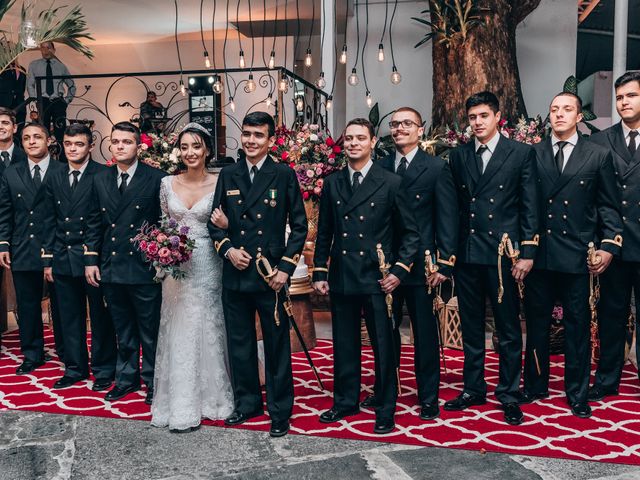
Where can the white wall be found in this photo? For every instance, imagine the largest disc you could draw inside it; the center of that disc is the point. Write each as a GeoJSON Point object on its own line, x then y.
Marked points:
{"type": "Point", "coordinates": [546, 50]}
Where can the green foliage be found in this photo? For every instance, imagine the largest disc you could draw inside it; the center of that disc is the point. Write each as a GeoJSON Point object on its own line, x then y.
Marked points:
{"type": "Point", "coordinates": [571, 86]}
{"type": "Point", "coordinates": [451, 20]}
{"type": "Point", "coordinates": [374, 115]}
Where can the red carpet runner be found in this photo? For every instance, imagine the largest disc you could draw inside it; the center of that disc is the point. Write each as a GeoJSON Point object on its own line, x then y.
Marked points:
{"type": "Point", "coordinates": [611, 435]}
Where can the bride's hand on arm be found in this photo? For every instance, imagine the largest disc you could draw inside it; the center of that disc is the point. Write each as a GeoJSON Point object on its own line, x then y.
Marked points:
{"type": "Point", "coordinates": [219, 219]}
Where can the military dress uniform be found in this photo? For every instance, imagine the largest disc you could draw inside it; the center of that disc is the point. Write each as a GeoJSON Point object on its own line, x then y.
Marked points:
{"type": "Point", "coordinates": [579, 204]}
{"type": "Point", "coordinates": [23, 210]}
{"type": "Point", "coordinates": [133, 297]}
{"type": "Point", "coordinates": [623, 275]}
{"type": "Point", "coordinates": [70, 202]}
{"type": "Point", "coordinates": [431, 195]}
{"type": "Point", "coordinates": [259, 205]}
{"type": "Point", "coordinates": [502, 199]}
{"type": "Point", "coordinates": [352, 222]}
{"type": "Point", "coordinates": [9, 157]}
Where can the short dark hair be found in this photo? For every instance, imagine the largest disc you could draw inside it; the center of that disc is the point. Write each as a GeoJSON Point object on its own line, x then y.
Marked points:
{"type": "Point", "coordinates": [257, 119]}
{"type": "Point", "coordinates": [206, 140]}
{"type": "Point", "coordinates": [411, 110]}
{"type": "Point", "coordinates": [8, 113]}
{"type": "Point", "coordinates": [39, 126]}
{"type": "Point", "coordinates": [627, 77]}
{"type": "Point", "coordinates": [363, 122]}
{"type": "Point", "coordinates": [127, 127]}
{"type": "Point", "coordinates": [76, 129]}
{"type": "Point", "coordinates": [573, 95]}
{"type": "Point", "coordinates": [483, 98]}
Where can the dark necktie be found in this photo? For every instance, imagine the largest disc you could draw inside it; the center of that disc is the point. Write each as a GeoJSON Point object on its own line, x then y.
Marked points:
{"type": "Point", "coordinates": [37, 179]}
{"type": "Point", "coordinates": [632, 142]}
{"type": "Point", "coordinates": [123, 182]}
{"type": "Point", "coordinates": [479, 160]}
{"type": "Point", "coordinates": [254, 172]}
{"type": "Point", "coordinates": [355, 182]}
{"type": "Point", "coordinates": [74, 184]}
{"type": "Point", "coordinates": [560, 156]}
{"type": "Point", "coordinates": [49, 81]}
{"type": "Point", "coordinates": [402, 168]}
{"type": "Point", "coordinates": [6, 159]}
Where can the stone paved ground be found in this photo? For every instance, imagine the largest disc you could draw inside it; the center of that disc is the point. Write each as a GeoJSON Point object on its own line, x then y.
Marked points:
{"type": "Point", "coordinates": [38, 446]}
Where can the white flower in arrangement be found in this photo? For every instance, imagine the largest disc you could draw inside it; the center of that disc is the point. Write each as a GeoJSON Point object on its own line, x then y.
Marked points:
{"type": "Point", "coordinates": [313, 137]}
{"type": "Point", "coordinates": [304, 150]}
{"type": "Point", "coordinates": [165, 145]}
{"type": "Point", "coordinates": [144, 146]}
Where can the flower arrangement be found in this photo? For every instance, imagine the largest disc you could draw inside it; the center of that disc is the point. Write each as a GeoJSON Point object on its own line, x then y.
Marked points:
{"type": "Point", "coordinates": [526, 130]}
{"type": "Point", "coordinates": [159, 151]}
{"type": "Point", "coordinates": [312, 153]}
{"type": "Point", "coordinates": [165, 247]}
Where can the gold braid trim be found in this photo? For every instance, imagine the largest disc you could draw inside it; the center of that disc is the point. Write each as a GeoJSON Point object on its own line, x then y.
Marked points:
{"type": "Point", "coordinates": [617, 240]}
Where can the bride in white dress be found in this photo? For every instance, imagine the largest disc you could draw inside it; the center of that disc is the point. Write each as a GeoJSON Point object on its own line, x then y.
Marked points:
{"type": "Point", "coordinates": [191, 375]}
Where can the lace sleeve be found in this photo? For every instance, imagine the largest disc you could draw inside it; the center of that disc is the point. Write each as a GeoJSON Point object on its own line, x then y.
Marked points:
{"type": "Point", "coordinates": [164, 191]}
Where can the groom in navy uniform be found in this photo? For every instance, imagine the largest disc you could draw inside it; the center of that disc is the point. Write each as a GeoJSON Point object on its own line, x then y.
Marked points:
{"type": "Point", "coordinates": [126, 197]}
{"type": "Point", "coordinates": [259, 197]}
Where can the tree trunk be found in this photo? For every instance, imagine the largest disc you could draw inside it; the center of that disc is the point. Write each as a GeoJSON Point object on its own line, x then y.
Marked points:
{"type": "Point", "coordinates": [485, 61]}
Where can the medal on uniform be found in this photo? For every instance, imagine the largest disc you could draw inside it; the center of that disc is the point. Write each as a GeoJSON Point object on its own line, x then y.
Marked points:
{"type": "Point", "coordinates": [273, 194]}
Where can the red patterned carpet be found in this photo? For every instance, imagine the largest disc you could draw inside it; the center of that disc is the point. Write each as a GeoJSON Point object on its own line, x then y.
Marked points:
{"type": "Point", "coordinates": [611, 435]}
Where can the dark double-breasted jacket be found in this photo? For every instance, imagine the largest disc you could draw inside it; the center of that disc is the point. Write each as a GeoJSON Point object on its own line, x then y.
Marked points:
{"type": "Point", "coordinates": [351, 225]}
{"type": "Point", "coordinates": [258, 215]}
{"type": "Point", "coordinates": [17, 156]}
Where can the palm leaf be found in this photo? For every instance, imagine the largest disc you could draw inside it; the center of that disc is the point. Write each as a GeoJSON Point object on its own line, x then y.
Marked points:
{"type": "Point", "coordinates": [571, 85]}
{"type": "Point", "coordinates": [5, 5]}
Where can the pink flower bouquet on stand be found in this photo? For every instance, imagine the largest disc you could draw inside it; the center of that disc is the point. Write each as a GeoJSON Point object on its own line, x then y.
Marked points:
{"type": "Point", "coordinates": [165, 247]}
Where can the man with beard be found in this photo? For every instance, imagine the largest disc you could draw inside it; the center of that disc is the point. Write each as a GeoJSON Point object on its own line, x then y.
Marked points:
{"type": "Point", "coordinates": [69, 196]}
{"type": "Point", "coordinates": [23, 211]}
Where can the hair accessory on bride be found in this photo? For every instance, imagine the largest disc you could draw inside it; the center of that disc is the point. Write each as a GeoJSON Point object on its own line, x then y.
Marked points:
{"type": "Point", "coordinates": [196, 126]}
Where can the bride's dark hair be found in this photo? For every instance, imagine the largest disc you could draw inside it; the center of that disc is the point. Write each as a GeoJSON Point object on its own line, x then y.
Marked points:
{"type": "Point", "coordinates": [204, 138]}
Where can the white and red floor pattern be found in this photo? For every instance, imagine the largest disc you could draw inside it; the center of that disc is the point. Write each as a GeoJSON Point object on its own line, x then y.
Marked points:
{"type": "Point", "coordinates": [612, 434]}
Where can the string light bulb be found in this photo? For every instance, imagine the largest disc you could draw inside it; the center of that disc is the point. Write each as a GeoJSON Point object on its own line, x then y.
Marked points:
{"type": "Point", "coordinates": [329, 103]}
{"type": "Point", "coordinates": [283, 85]}
{"type": "Point", "coordinates": [242, 63]}
{"type": "Point", "coordinates": [321, 82]}
{"type": "Point", "coordinates": [272, 59]}
{"type": "Point", "coordinates": [269, 100]}
{"type": "Point", "coordinates": [299, 104]}
{"type": "Point", "coordinates": [251, 85]}
{"type": "Point", "coordinates": [396, 78]}
{"type": "Point", "coordinates": [207, 62]}
{"type": "Point", "coordinates": [353, 78]}
{"type": "Point", "coordinates": [183, 89]}
{"type": "Point", "coordinates": [381, 53]}
{"type": "Point", "coordinates": [343, 54]}
{"type": "Point", "coordinates": [217, 85]}
{"type": "Point", "coordinates": [232, 104]}
{"type": "Point", "coordinates": [369, 99]}
{"type": "Point", "coordinates": [308, 60]}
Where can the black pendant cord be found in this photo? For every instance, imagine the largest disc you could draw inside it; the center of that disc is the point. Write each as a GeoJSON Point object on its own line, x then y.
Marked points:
{"type": "Point", "coordinates": [364, 45]}
{"type": "Point", "coordinates": [238, 26]}
{"type": "Point", "coordinates": [355, 65]}
{"type": "Point", "coordinates": [253, 44]}
{"type": "Point", "coordinates": [213, 34]}
{"type": "Point", "coordinates": [386, 13]}
{"type": "Point", "coordinates": [295, 47]}
{"type": "Point", "coordinates": [313, 21]}
{"type": "Point", "coordinates": [344, 40]}
{"type": "Point", "coordinates": [175, 34]}
{"type": "Point", "coordinates": [275, 30]}
{"type": "Point", "coordinates": [393, 58]}
{"type": "Point", "coordinates": [264, 30]}
{"type": "Point", "coordinates": [224, 48]}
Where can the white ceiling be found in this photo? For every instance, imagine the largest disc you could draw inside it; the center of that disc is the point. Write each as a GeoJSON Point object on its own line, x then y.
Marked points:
{"type": "Point", "coordinates": [127, 21]}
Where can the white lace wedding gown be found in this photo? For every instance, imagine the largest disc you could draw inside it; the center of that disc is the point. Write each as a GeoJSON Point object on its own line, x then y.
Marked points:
{"type": "Point", "coordinates": [191, 372]}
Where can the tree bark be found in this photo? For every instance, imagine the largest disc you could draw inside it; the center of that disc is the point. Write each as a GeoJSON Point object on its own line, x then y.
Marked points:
{"type": "Point", "coordinates": [485, 61]}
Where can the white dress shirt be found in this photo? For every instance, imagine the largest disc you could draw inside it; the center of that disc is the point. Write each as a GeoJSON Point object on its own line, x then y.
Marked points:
{"type": "Point", "coordinates": [491, 147]}
{"type": "Point", "coordinates": [81, 170]}
{"type": "Point", "coordinates": [9, 150]}
{"type": "Point", "coordinates": [364, 170]}
{"type": "Point", "coordinates": [257, 165]}
{"type": "Point", "coordinates": [409, 156]}
{"type": "Point", "coordinates": [131, 172]}
{"type": "Point", "coordinates": [626, 131]}
{"type": "Point", "coordinates": [43, 164]}
{"type": "Point", "coordinates": [568, 148]}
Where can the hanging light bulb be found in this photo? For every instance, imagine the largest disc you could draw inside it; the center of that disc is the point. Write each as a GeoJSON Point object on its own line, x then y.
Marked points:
{"type": "Point", "coordinates": [269, 100]}
{"type": "Point", "coordinates": [381, 53]}
{"type": "Point", "coordinates": [217, 85]}
{"type": "Point", "coordinates": [308, 60]}
{"type": "Point", "coordinates": [369, 99]}
{"type": "Point", "coordinates": [272, 59]}
{"type": "Point", "coordinates": [183, 89]}
{"type": "Point", "coordinates": [28, 31]}
{"type": "Point", "coordinates": [343, 54]}
{"type": "Point", "coordinates": [242, 64]}
{"type": "Point", "coordinates": [353, 78]}
{"type": "Point", "coordinates": [251, 85]}
{"type": "Point", "coordinates": [299, 104]}
{"type": "Point", "coordinates": [321, 82]}
{"type": "Point", "coordinates": [283, 85]}
{"type": "Point", "coordinates": [207, 62]}
{"type": "Point", "coordinates": [192, 81]}
{"type": "Point", "coordinates": [396, 78]}
{"type": "Point", "coordinates": [329, 103]}
{"type": "Point", "coordinates": [232, 104]}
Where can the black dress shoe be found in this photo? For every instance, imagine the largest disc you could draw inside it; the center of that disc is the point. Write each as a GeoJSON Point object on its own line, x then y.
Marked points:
{"type": "Point", "coordinates": [116, 393]}
{"type": "Point", "coordinates": [581, 410]}
{"type": "Point", "coordinates": [526, 397]}
{"type": "Point", "coordinates": [429, 411]}
{"type": "Point", "coordinates": [65, 381]}
{"type": "Point", "coordinates": [279, 429]}
{"type": "Point", "coordinates": [464, 401]}
{"type": "Point", "coordinates": [512, 413]}
{"type": "Point", "coordinates": [237, 418]}
{"type": "Point", "coordinates": [384, 425]}
{"type": "Point", "coordinates": [370, 402]}
{"type": "Point", "coordinates": [597, 393]}
{"type": "Point", "coordinates": [149, 398]}
{"type": "Point", "coordinates": [335, 415]}
{"type": "Point", "coordinates": [100, 385]}
{"type": "Point", "coordinates": [28, 367]}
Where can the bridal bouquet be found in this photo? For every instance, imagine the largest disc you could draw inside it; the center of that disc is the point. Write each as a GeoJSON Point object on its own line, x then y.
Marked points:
{"type": "Point", "coordinates": [165, 247]}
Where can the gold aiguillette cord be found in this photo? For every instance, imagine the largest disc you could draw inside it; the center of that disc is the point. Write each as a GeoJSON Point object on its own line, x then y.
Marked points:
{"type": "Point", "coordinates": [505, 247]}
